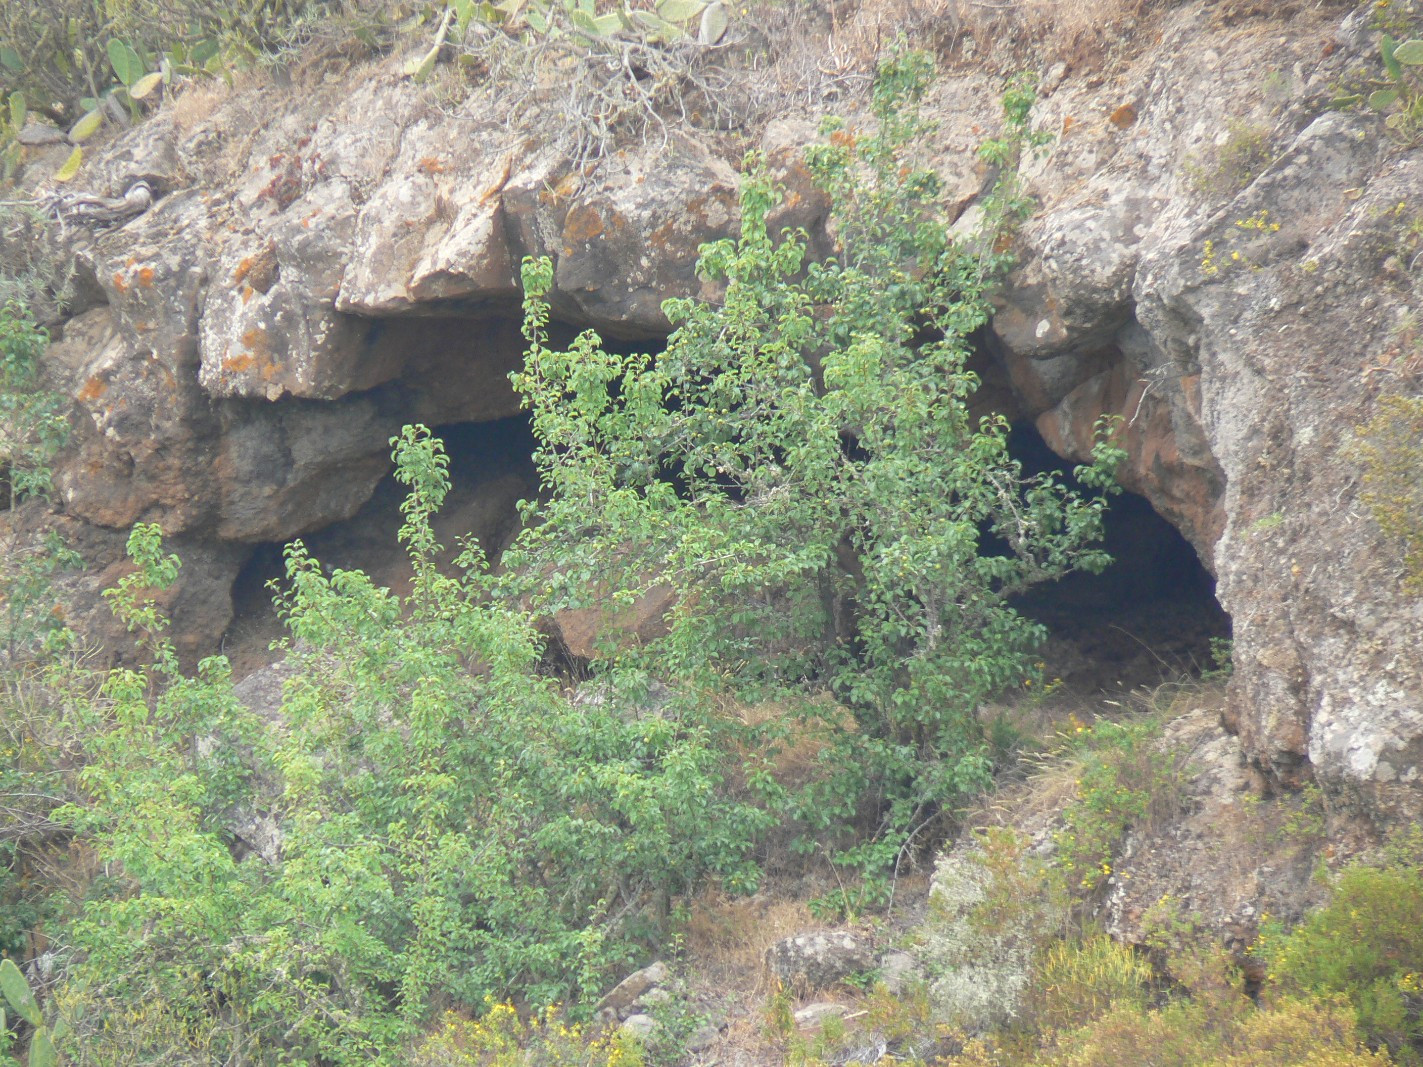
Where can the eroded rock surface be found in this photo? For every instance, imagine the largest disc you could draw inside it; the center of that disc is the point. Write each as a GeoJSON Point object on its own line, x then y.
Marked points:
{"type": "Point", "coordinates": [329, 261]}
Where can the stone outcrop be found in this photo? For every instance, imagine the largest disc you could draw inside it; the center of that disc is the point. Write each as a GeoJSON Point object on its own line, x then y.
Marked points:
{"type": "Point", "coordinates": [329, 261]}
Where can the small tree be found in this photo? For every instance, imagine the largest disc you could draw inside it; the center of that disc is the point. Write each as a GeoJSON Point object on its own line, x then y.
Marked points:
{"type": "Point", "coordinates": [801, 465]}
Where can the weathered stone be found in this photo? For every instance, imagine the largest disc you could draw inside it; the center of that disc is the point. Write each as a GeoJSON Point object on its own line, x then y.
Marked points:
{"type": "Point", "coordinates": [819, 960]}
{"type": "Point", "coordinates": [899, 971]}
{"type": "Point", "coordinates": [641, 1026]}
{"type": "Point", "coordinates": [631, 241]}
{"type": "Point", "coordinates": [634, 987]}
{"type": "Point", "coordinates": [812, 1015]}
{"type": "Point", "coordinates": [198, 603]}
{"type": "Point", "coordinates": [435, 232]}
{"type": "Point", "coordinates": [587, 632]}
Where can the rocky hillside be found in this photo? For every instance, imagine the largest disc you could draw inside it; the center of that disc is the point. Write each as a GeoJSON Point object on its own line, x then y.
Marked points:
{"type": "Point", "coordinates": [1218, 257]}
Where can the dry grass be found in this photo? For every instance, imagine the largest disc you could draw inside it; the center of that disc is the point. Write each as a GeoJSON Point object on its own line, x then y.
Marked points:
{"type": "Point", "coordinates": [1081, 33]}
{"type": "Point", "coordinates": [728, 936]}
{"type": "Point", "coordinates": [196, 102]}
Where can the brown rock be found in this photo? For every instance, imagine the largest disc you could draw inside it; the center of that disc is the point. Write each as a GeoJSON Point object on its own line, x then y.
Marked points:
{"type": "Point", "coordinates": [588, 632]}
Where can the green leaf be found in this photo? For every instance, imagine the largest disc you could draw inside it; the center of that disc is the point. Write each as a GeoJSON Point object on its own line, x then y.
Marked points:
{"type": "Point", "coordinates": [17, 992]}
{"type": "Point", "coordinates": [1387, 49]}
{"type": "Point", "coordinates": [714, 23]}
{"type": "Point", "coordinates": [584, 22]}
{"type": "Point", "coordinates": [420, 69]}
{"type": "Point", "coordinates": [1410, 53]}
{"type": "Point", "coordinates": [71, 165]}
{"type": "Point", "coordinates": [655, 28]}
{"type": "Point", "coordinates": [42, 1051]}
{"type": "Point", "coordinates": [202, 52]}
{"type": "Point", "coordinates": [679, 10]}
{"type": "Point", "coordinates": [17, 110]}
{"type": "Point", "coordinates": [610, 23]}
{"type": "Point", "coordinates": [125, 62]}
{"type": "Point", "coordinates": [10, 60]}
{"type": "Point", "coordinates": [1383, 99]}
{"type": "Point", "coordinates": [145, 85]}
{"type": "Point", "coordinates": [86, 127]}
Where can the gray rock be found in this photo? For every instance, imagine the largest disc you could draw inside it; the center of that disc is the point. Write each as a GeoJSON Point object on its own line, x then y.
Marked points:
{"type": "Point", "coordinates": [818, 960]}
{"type": "Point", "coordinates": [641, 1026]}
{"type": "Point", "coordinates": [633, 988]}
{"type": "Point", "coordinates": [812, 1015]}
{"type": "Point", "coordinates": [899, 971]}
{"type": "Point", "coordinates": [38, 134]}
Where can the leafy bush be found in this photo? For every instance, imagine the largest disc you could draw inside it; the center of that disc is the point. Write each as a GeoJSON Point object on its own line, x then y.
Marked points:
{"type": "Point", "coordinates": [60, 54]}
{"type": "Point", "coordinates": [501, 1038]}
{"type": "Point", "coordinates": [1367, 945]}
{"type": "Point", "coordinates": [1303, 1033]}
{"type": "Point", "coordinates": [446, 833]}
{"type": "Point", "coordinates": [801, 468]}
{"type": "Point", "coordinates": [1124, 780]}
{"type": "Point", "coordinates": [1077, 981]}
{"type": "Point", "coordinates": [34, 425]}
{"type": "Point", "coordinates": [33, 420]}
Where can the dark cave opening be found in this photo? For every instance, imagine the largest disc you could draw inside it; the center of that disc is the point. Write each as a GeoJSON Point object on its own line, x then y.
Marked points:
{"type": "Point", "coordinates": [491, 470]}
{"type": "Point", "coordinates": [1150, 616]}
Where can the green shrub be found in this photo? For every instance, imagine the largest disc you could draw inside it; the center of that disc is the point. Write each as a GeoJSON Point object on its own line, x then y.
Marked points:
{"type": "Point", "coordinates": [1125, 779]}
{"type": "Point", "coordinates": [1366, 944]}
{"type": "Point", "coordinates": [33, 421]}
{"type": "Point", "coordinates": [34, 425]}
{"type": "Point", "coordinates": [801, 467]}
{"type": "Point", "coordinates": [447, 834]}
{"type": "Point", "coordinates": [501, 1038]}
{"type": "Point", "coordinates": [1296, 1033]}
{"type": "Point", "coordinates": [1077, 981]}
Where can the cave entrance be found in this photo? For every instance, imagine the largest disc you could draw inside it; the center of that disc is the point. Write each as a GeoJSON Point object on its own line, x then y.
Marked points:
{"type": "Point", "coordinates": [491, 470]}
{"type": "Point", "coordinates": [1150, 616]}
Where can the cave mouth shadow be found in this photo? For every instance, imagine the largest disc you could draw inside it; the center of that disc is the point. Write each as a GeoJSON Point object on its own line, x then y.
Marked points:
{"type": "Point", "coordinates": [1150, 617]}
{"type": "Point", "coordinates": [491, 469]}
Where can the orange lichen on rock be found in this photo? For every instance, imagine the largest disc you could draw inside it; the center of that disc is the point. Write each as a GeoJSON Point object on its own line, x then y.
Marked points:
{"type": "Point", "coordinates": [243, 269]}
{"type": "Point", "coordinates": [92, 390]}
{"type": "Point", "coordinates": [583, 224]}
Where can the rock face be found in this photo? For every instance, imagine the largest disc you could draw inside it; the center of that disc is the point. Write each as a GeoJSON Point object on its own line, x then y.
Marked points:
{"type": "Point", "coordinates": [819, 960]}
{"type": "Point", "coordinates": [330, 261]}
{"type": "Point", "coordinates": [1237, 342]}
